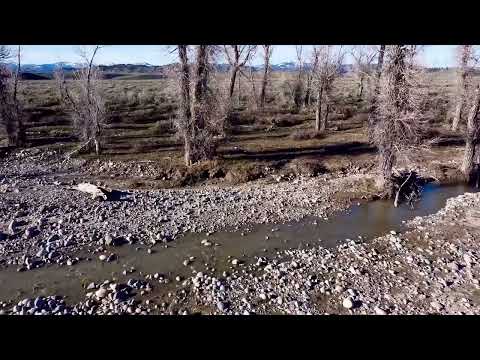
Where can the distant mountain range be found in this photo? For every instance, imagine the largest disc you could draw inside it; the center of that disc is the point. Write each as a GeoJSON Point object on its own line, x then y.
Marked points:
{"type": "Point", "coordinates": [137, 68]}
{"type": "Point", "coordinates": [45, 71]}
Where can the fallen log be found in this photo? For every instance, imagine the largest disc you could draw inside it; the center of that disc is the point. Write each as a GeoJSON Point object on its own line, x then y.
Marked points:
{"type": "Point", "coordinates": [94, 190]}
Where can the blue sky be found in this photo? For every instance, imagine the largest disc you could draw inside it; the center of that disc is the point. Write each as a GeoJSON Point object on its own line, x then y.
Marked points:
{"type": "Point", "coordinates": [433, 55]}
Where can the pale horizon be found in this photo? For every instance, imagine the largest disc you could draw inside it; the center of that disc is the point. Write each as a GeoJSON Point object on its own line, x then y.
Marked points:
{"type": "Point", "coordinates": [432, 55]}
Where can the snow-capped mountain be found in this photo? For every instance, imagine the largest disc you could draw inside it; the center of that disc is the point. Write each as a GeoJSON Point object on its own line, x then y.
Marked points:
{"type": "Point", "coordinates": [48, 69]}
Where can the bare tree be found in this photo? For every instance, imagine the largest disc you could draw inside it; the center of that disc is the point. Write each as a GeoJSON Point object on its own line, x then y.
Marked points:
{"type": "Point", "coordinates": [5, 53]}
{"type": "Point", "coordinates": [267, 54]}
{"type": "Point", "coordinates": [376, 90]}
{"type": "Point", "coordinates": [399, 108]}
{"type": "Point", "coordinates": [185, 123]}
{"type": "Point", "coordinates": [21, 135]}
{"type": "Point", "coordinates": [299, 84]}
{"type": "Point", "coordinates": [472, 136]}
{"type": "Point", "coordinates": [310, 73]}
{"type": "Point", "coordinates": [201, 118]}
{"type": "Point", "coordinates": [10, 108]}
{"type": "Point", "coordinates": [465, 57]}
{"type": "Point", "coordinates": [86, 105]}
{"type": "Point", "coordinates": [330, 60]}
{"type": "Point", "coordinates": [249, 75]}
{"type": "Point", "coordinates": [237, 56]}
{"type": "Point", "coordinates": [363, 56]}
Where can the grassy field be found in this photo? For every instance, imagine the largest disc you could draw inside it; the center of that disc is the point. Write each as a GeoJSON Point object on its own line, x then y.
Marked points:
{"type": "Point", "coordinates": [141, 113]}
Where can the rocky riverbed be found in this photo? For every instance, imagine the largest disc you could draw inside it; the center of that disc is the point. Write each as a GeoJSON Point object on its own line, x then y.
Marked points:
{"type": "Point", "coordinates": [44, 220]}
{"type": "Point", "coordinates": [432, 269]}
{"type": "Point", "coordinates": [45, 224]}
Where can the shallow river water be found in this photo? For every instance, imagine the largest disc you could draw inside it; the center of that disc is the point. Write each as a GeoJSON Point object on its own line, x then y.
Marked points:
{"type": "Point", "coordinates": [367, 220]}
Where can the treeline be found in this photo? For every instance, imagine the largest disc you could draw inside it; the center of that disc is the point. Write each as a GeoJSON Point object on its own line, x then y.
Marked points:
{"type": "Point", "coordinates": [388, 78]}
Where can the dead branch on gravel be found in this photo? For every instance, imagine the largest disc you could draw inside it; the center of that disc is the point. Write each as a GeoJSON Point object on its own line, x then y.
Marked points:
{"type": "Point", "coordinates": [94, 190]}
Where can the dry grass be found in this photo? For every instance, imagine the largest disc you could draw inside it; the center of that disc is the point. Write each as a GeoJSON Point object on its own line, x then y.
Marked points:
{"type": "Point", "coordinates": [142, 111]}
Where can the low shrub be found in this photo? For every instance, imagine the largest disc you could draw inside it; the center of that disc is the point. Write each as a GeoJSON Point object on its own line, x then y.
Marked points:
{"type": "Point", "coordinates": [306, 167]}
{"type": "Point", "coordinates": [306, 134]}
{"type": "Point", "coordinates": [243, 174]}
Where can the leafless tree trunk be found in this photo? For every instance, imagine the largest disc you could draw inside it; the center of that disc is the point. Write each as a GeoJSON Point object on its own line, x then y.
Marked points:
{"type": "Point", "coordinates": [471, 136]}
{"type": "Point", "coordinates": [376, 89]}
{"type": "Point", "coordinates": [267, 54]}
{"type": "Point", "coordinates": [250, 76]}
{"type": "Point", "coordinates": [318, 110]}
{"type": "Point", "coordinates": [381, 55]}
{"type": "Point", "coordinates": [310, 77]}
{"type": "Point", "coordinates": [299, 85]}
{"type": "Point", "coordinates": [234, 55]}
{"type": "Point", "coordinates": [324, 124]}
{"type": "Point", "coordinates": [329, 68]}
{"type": "Point", "coordinates": [6, 106]}
{"type": "Point", "coordinates": [86, 106]}
{"type": "Point", "coordinates": [201, 118]}
{"type": "Point", "coordinates": [239, 91]}
{"type": "Point", "coordinates": [464, 59]}
{"type": "Point", "coordinates": [200, 87]}
{"type": "Point", "coordinates": [363, 57]}
{"type": "Point", "coordinates": [395, 83]}
{"type": "Point", "coordinates": [185, 113]}
{"type": "Point", "coordinates": [5, 53]}
{"type": "Point", "coordinates": [398, 107]}
{"type": "Point", "coordinates": [21, 135]}
{"type": "Point", "coordinates": [10, 109]}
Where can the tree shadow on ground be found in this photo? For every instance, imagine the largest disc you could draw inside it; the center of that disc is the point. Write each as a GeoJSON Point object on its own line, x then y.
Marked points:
{"type": "Point", "coordinates": [350, 148]}
{"type": "Point", "coordinates": [119, 195]}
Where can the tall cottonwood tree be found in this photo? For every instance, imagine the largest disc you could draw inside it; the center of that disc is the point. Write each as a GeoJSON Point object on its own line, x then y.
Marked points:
{"type": "Point", "coordinates": [10, 108]}
{"type": "Point", "coordinates": [249, 75]}
{"type": "Point", "coordinates": [465, 57]}
{"type": "Point", "coordinates": [185, 123]}
{"type": "Point", "coordinates": [201, 118]}
{"type": "Point", "coordinates": [376, 89]}
{"type": "Point", "coordinates": [299, 85]}
{"type": "Point", "coordinates": [237, 56]}
{"type": "Point", "coordinates": [330, 60]}
{"type": "Point", "coordinates": [267, 55]}
{"type": "Point", "coordinates": [363, 56]}
{"type": "Point", "coordinates": [84, 101]}
{"type": "Point", "coordinates": [309, 78]}
{"type": "Point", "coordinates": [398, 110]}
{"type": "Point", "coordinates": [472, 136]}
